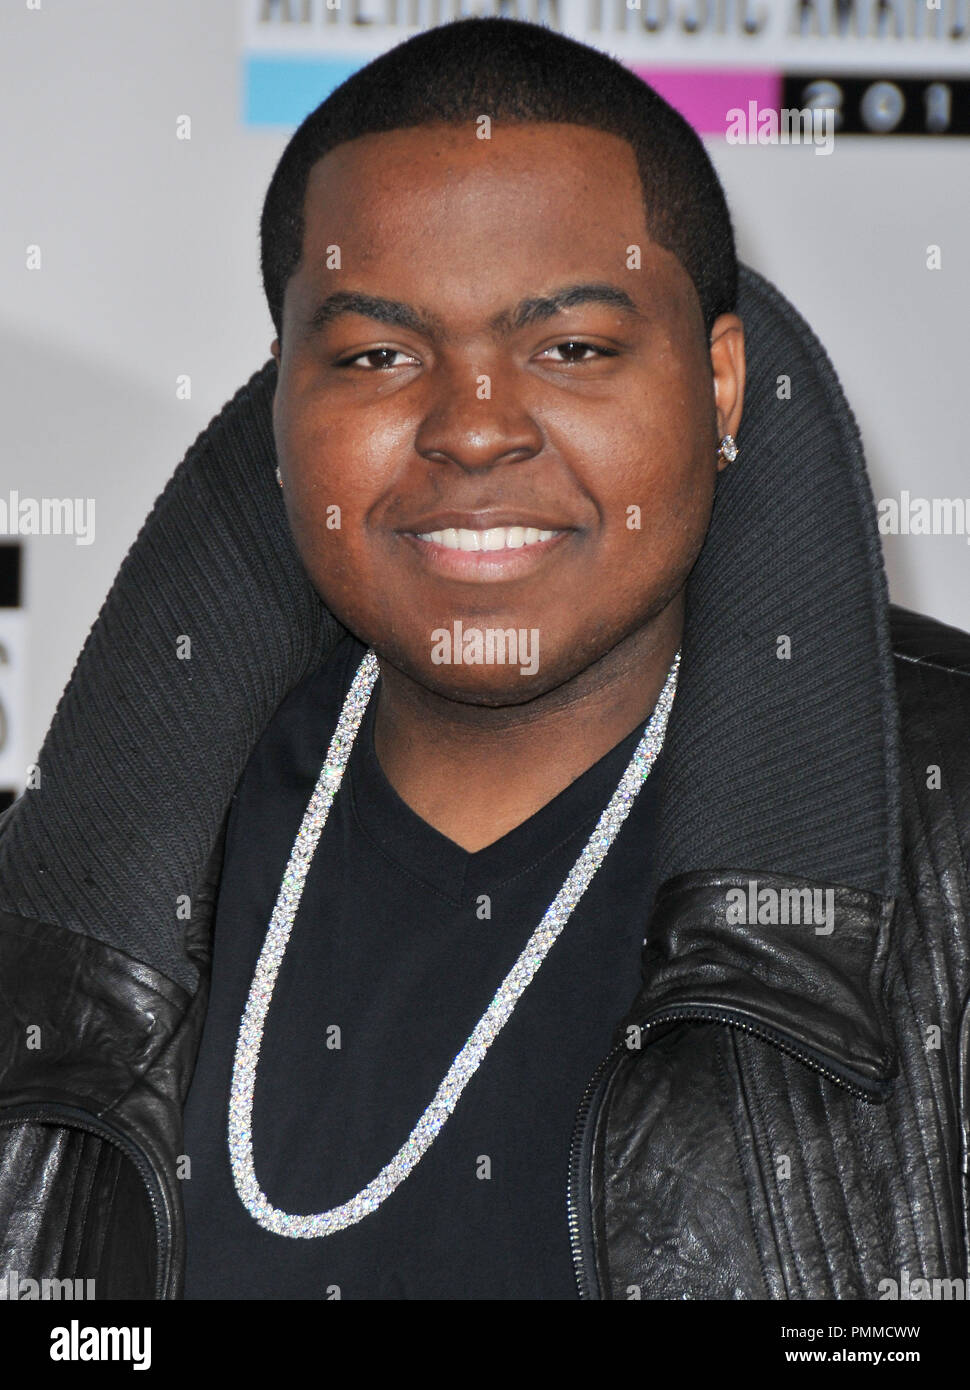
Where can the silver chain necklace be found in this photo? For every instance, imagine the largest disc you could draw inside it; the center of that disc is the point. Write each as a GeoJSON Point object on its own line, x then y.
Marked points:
{"type": "Point", "coordinates": [495, 1017]}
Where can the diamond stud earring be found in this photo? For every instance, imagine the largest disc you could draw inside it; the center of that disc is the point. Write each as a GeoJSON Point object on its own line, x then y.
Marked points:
{"type": "Point", "coordinates": [729, 449]}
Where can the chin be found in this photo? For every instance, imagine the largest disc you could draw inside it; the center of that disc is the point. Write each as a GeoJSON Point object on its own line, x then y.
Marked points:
{"type": "Point", "coordinates": [489, 687]}
{"type": "Point", "coordinates": [485, 684]}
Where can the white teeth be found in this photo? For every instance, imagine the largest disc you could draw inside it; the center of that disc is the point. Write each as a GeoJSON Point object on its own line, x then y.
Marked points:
{"type": "Point", "coordinates": [494, 538]}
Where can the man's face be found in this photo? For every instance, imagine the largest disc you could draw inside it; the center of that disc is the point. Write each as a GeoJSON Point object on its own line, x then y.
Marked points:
{"type": "Point", "coordinates": [468, 403]}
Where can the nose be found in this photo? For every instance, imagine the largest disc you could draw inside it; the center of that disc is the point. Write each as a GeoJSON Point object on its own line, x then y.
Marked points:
{"type": "Point", "coordinates": [476, 420]}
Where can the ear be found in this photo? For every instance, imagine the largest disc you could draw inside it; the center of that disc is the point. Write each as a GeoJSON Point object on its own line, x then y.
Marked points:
{"type": "Point", "coordinates": [275, 350]}
{"type": "Point", "coordinates": [728, 368]}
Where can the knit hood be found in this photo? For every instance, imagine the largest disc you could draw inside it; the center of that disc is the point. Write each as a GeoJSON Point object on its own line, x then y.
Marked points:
{"type": "Point", "coordinates": [783, 765]}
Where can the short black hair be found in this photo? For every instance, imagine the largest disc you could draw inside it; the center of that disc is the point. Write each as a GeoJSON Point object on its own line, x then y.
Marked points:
{"type": "Point", "coordinates": [514, 71]}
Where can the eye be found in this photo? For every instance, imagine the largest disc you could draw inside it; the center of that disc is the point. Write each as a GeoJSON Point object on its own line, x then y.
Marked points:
{"type": "Point", "coordinates": [373, 352]}
{"type": "Point", "coordinates": [572, 343]}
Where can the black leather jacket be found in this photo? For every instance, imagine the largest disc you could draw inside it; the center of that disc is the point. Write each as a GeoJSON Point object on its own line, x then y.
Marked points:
{"type": "Point", "coordinates": [785, 1112]}
{"type": "Point", "coordinates": [750, 1054]}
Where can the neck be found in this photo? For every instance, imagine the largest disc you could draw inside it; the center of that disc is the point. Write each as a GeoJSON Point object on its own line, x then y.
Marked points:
{"type": "Point", "coordinates": [514, 759]}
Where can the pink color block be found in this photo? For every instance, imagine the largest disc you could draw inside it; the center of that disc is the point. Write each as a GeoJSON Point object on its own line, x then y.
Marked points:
{"type": "Point", "coordinates": [705, 95]}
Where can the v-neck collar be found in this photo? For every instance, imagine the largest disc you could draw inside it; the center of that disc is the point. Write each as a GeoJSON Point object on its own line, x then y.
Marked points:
{"type": "Point", "coordinates": [429, 856]}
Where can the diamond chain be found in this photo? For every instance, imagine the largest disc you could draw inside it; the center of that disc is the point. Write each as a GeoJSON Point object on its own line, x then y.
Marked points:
{"type": "Point", "coordinates": [497, 1014]}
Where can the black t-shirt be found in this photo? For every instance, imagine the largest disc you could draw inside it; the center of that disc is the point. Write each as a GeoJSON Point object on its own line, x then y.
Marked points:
{"type": "Point", "coordinates": [400, 942]}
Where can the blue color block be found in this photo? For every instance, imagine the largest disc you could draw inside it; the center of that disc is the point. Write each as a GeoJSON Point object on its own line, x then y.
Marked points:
{"type": "Point", "coordinates": [283, 89]}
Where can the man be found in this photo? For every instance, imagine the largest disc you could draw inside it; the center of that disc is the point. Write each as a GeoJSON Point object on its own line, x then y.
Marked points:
{"type": "Point", "coordinates": [561, 672]}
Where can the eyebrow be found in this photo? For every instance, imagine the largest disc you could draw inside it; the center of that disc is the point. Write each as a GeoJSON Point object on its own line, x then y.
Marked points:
{"type": "Point", "coordinates": [528, 311]}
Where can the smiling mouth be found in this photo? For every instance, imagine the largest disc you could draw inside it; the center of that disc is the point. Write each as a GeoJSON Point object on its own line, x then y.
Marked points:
{"type": "Point", "coordinates": [467, 554]}
{"type": "Point", "coordinates": [494, 538]}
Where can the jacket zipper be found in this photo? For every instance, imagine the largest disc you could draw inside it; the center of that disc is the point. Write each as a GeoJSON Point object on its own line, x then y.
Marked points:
{"type": "Point", "coordinates": [578, 1203]}
{"type": "Point", "coordinates": [81, 1119]}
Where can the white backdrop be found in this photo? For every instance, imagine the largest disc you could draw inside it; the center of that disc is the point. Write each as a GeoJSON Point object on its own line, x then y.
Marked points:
{"type": "Point", "coordinates": [150, 271]}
